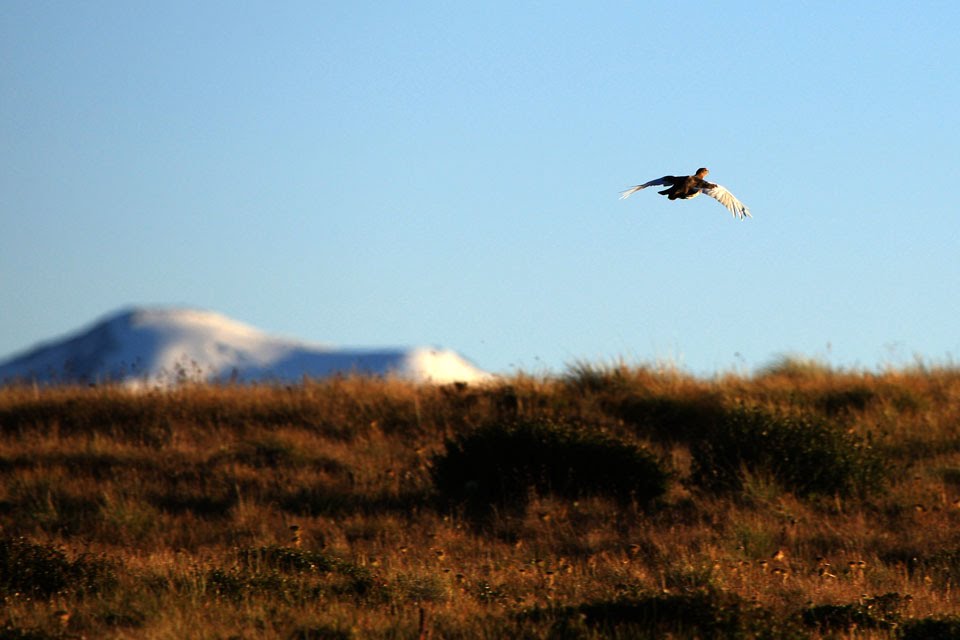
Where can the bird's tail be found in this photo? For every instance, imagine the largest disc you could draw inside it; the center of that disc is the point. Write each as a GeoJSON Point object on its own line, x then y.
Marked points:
{"type": "Point", "coordinates": [632, 190]}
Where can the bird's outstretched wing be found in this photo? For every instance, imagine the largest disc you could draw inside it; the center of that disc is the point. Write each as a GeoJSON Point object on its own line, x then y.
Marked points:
{"type": "Point", "coordinates": [653, 183]}
{"type": "Point", "coordinates": [727, 199]}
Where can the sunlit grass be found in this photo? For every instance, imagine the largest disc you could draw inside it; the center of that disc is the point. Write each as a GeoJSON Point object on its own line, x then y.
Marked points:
{"type": "Point", "coordinates": [311, 511]}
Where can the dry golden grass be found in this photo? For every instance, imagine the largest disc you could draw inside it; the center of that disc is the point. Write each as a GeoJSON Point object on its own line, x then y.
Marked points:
{"type": "Point", "coordinates": [310, 512]}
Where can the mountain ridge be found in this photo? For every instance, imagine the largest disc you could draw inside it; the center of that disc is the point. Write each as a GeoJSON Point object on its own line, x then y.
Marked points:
{"type": "Point", "coordinates": [161, 346]}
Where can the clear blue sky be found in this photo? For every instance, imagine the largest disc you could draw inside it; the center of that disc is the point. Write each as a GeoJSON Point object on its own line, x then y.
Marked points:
{"type": "Point", "coordinates": [400, 173]}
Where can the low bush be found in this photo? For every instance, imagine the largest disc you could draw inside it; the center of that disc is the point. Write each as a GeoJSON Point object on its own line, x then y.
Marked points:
{"type": "Point", "coordinates": [293, 574]}
{"type": "Point", "coordinates": [9, 631]}
{"type": "Point", "coordinates": [802, 453]}
{"type": "Point", "coordinates": [44, 571]}
{"type": "Point", "coordinates": [701, 614]}
{"type": "Point", "coordinates": [879, 612]}
{"type": "Point", "coordinates": [931, 629]}
{"type": "Point", "coordinates": [498, 466]}
{"type": "Point", "coordinates": [840, 401]}
{"type": "Point", "coordinates": [670, 419]}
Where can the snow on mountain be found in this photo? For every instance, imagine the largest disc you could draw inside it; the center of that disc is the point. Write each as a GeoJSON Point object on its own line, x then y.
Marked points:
{"type": "Point", "coordinates": [161, 346]}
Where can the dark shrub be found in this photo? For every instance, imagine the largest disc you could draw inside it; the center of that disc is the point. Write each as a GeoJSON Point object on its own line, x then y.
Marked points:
{"type": "Point", "coordinates": [845, 400]}
{"type": "Point", "coordinates": [235, 584]}
{"type": "Point", "coordinates": [668, 419]}
{"type": "Point", "coordinates": [287, 572]}
{"type": "Point", "coordinates": [879, 612]}
{"type": "Point", "coordinates": [699, 614]}
{"type": "Point", "coordinates": [931, 629]}
{"type": "Point", "coordinates": [500, 464]}
{"type": "Point", "coordinates": [44, 571]}
{"type": "Point", "coordinates": [10, 632]}
{"type": "Point", "coordinates": [802, 453]}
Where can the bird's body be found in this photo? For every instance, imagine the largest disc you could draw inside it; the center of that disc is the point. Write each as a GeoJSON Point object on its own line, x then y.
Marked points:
{"type": "Point", "coordinates": [686, 187]}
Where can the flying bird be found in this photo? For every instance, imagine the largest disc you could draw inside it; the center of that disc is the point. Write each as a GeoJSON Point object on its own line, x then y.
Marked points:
{"type": "Point", "coordinates": [686, 187]}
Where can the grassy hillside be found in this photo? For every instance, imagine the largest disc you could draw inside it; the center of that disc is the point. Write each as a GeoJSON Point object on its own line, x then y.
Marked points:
{"type": "Point", "coordinates": [606, 502]}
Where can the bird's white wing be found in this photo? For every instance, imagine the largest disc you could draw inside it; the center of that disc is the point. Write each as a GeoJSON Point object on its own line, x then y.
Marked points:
{"type": "Point", "coordinates": [727, 199]}
{"type": "Point", "coordinates": [632, 190]}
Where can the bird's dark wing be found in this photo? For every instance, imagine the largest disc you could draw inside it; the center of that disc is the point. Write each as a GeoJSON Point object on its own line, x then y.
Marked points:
{"type": "Point", "coordinates": [653, 183]}
{"type": "Point", "coordinates": [727, 199]}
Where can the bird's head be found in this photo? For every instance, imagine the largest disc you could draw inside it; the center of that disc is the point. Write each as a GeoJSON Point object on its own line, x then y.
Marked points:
{"type": "Point", "coordinates": [702, 171]}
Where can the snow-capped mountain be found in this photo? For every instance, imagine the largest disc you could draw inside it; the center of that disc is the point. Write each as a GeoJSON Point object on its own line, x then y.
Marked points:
{"type": "Point", "coordinates": [162, 346]}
